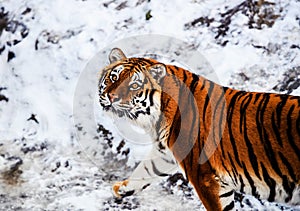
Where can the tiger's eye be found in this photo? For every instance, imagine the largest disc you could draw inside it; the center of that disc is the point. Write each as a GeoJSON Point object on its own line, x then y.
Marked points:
{"type": "Point", "coordinates": [134, 86]}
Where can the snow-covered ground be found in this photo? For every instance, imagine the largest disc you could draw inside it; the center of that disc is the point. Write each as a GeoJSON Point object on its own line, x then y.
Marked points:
{"type": "Point", "coordinates": [49, 159]}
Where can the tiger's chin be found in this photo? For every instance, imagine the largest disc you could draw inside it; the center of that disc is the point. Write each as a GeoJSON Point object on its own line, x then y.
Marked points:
{"type": "Point", "coordinates": [143, 120]}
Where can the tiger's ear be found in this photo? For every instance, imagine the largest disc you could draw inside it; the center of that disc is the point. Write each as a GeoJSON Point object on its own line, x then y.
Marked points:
{"type": "Point", "coordinates": [116, 54]}
{"type": "Point", "coordinates": [158, 71]}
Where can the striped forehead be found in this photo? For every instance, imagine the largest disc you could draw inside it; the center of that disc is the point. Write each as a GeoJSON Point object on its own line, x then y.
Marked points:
{"type": "Point", "coordinates": [117, 70]}
{"type": "Point", "coordinates": [137, 77]}
{"type": "Point", "coordinates": [128, 70]}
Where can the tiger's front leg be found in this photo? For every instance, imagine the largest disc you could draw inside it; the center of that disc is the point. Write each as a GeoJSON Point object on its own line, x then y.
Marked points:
{"type": "Point", "coordinates": [158, 164]}
{"type": "Point", "coordinates": [215, 194]}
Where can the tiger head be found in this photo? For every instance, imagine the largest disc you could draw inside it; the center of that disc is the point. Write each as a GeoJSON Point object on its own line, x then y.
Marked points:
{"type": "Point", "coordinates": [129, 87]}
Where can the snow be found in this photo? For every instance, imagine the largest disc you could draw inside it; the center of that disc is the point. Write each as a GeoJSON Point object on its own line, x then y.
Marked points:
{"type": "Point", "coordinates": [66, 163]}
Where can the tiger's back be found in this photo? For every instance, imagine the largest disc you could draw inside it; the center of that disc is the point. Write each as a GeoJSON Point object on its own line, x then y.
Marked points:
{"type": "Point", "coordinates": [225, 140]}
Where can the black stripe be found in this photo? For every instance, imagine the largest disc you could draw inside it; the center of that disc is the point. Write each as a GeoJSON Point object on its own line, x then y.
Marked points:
{"type": "Point", "coordinates": [156, 171]}
{"type": "Point", "coordinates": [242, 95]}
{"type": "Point", "coordinates": [225, 89]}
{"type": "Point", "coordinates": [242, 184]}
{"type": "Point", "coordinates": [230, 110]}
{"type": "Point", "coordinates": [223, 184]}
{"type": "Point", "coordinates": [203, 84]}
{"type": "Point", "coordinates": [175, 127]}
{"type": "Point", "coordinates": [219, 129]}
{"type": "Point", "coordinates": [264, 138]}
{"type": "Point", "coordinates": [252, 156]}
{"type": "Point", "coordinates": [228, 172]}
{"type": "Point", "coordinates": [257, 95]}
{"type": "Point", "coordinates": [290, 132]}
{"type": "Point", "coordinates": [127, 193]}
{"type": "Point", "coordinates": [243, 131]}
{"type": "Point", "coordinates": [194, 83]}
{"type": "Point", "coordinates": [224, 195]}
{"type": "Point", "coordinates": [170, 161]}
{"type": "Point", "coordinates": [184, 76]}
{"type": "Point", "coordinates": [131, 68]}
{"type": "Point", "coordinates": [172, 71]}
{"type": "Point", "coordinates": [288, 166]}
{"type": "Point", "coordinates": [276, 129]}
{"type": "Point", "coordinates": [143, 101]}
{"type": "Point", "coordinates": [152, 92]}
{"type": "Point", "coordinates": [222, 148]}
{"type": "Point", "coordinates": [176, 121]}
{"type": "Point", "coordinates": [294, 97]}
{"type": "Point", "coordinates": [244, 104]}
{"type": "Point", "coordinates": [147, 170]}
{"type": "Point", "coordinates": [288, 187]}
{"type": "Point", "coordinates": [279, 108]}
{"type": "Point", "coordinates": [207, 99]}
{"type": "Point", "coordinates": [191, 106]}
{"type": "Point", "coordinates": [251, 182]}
{"type": "Point", "coordinates": [234, 170]}
{"type": "Point", "coordinates": [258, 121]}
{"type": "Point", "coordinates": [230, 91]}
{"type": "Point", "coordinates": [229, 206]}
{"type": "Point", "coordinates": [270, 182]}
{"type": "Point", "coordinates": [141, 61]}
{"type": "Point", "coordinates": [145, 186]}
{"type": "Point", "coordinates": [173, 76]}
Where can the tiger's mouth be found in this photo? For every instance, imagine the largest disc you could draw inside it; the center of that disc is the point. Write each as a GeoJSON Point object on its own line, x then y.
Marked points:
{"type": "Point", "coordinates": [123, 111]}
{"type": "Point", "coordinates": [118, 108]}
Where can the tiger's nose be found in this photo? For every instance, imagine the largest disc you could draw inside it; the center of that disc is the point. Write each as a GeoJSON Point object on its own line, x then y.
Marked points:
{"type": "Point", "coordinates": [113, 97]}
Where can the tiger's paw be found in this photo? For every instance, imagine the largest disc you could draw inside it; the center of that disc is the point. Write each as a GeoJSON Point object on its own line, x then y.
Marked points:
{"type": "Point", "coordinates": [120, 189]}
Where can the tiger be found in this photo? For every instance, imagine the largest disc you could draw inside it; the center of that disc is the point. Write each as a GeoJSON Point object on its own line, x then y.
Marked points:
{"type": "Point", "coordinates": [225, 141]}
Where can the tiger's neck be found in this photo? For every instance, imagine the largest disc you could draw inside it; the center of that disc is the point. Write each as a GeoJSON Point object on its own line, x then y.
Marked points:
{"type": "Point", "coordinates": [186, 109]}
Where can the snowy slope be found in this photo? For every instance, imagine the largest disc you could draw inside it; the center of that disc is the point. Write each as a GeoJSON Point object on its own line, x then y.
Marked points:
{"type": "Point", "coordinates": [51, 160]}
